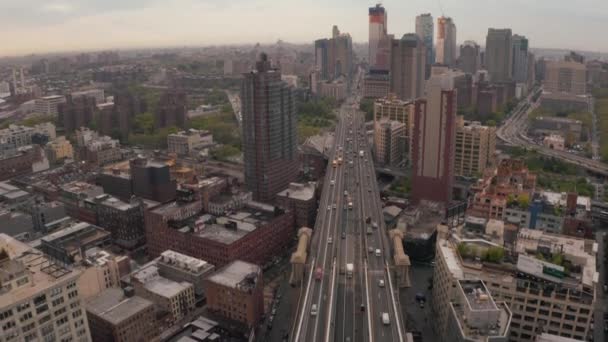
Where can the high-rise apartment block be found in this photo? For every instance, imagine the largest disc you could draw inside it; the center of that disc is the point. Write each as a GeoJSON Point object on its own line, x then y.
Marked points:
{"type": "Point", "coordinates": [39, 299]}
{"type": "Point", "coordinates": [433, 139]}
{"type": "Point", "coordinates": [117, 315]}
{"type": "Point", "coordinates": [236, 292]}
{"type": "Point", "coordinates": [499, 55]}
{"type": "Point", "coordinates": [48, 105]}
{"type": "Point", "coordinates": [520, 58]}
{"type": "Point", "coordinates": [390, 144]}
{"type": "Point", "coordinates": [334, 56]}
{"type": "Point", "coordinates": [475, 148]}
{"type": "Point", "coordinates": [425, 31]}
{"type": "Point", "coordinates": [546, 280]}
{"type": "Point", "coordinates": [565, 77]}
{"type": "Point", "coordinates": [172, 109]}
{"type": "Point", "coordinates": [469, 60]}
{"type": "Point", "coordinates": [77, 112]}
{"type": "Point", "coordinates": [377, 33]}
{"type": "Point", "coordinates": [407, 66]}
{"type": "Point", "coordinates": [269, 132]}
{"type": "Point", "coordinates": [445, 51]}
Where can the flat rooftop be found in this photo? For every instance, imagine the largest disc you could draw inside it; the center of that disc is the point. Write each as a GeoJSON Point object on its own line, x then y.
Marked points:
{"type": "Point", "coordinates": [234, 273]}
{"type": "Point", "coordinates": [152, 281]}
{"type": "Point", "coordinates": [299, 191]}
{"type": "Point", "coordinates": [114, 307]}
{"type": "Point", "coordinates": [477, 295]}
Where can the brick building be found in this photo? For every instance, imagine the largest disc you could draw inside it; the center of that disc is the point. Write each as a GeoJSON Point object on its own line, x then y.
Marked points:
{"type": "Point", "coordinates": [301, 200]}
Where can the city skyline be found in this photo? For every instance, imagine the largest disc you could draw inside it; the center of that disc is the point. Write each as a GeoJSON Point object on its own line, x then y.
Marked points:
{"type": "Point", "coordinates": [49, 27]}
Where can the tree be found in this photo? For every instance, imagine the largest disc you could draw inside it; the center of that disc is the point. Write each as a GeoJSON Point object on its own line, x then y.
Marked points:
{"type": "Point", "coordinates": [494, 254]}
{"type": "Point", "coordinates": [524, 201]}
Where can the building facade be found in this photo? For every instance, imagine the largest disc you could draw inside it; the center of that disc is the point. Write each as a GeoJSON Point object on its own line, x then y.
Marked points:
{"type": "Point", "coordinates": [300, 199]}
{"type": "Point", "coordinates": [475, 148]}
{"type": "Point", "coordinates": [269, 132]}
{"type": "Point", "coordinates": [565, 77]}
{"type": "Point", "coordinates": [425, 31]}
{"type": "Point", "coordinates": [498, 56]}
{"type": "Point", "coordinates": [520, 59]}
{"type": "Point", "coordinates": [469, 60]}
{"type": "Point", "coordinates": [407, 66]}
{"type": "Point", "coordinates": [390, 144]}
{"type": "Point", "coordinates": [48, 105]}
{"type": "Point", "coordinates": [377, 32]}
{"type": "Point", "coordinates": [445, 51]}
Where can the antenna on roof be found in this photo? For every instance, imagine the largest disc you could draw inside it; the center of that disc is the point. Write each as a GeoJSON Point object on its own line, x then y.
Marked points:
{"type": "Point", "coordinates": [441, 8]}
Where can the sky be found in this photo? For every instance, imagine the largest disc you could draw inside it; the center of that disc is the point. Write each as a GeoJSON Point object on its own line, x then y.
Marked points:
{"type": "Point", "coordinates": [37, 26]}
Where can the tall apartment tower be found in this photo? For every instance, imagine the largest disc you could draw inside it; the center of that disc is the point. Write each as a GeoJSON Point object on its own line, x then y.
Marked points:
{"type": "Point", "coordinates": [172, 109]}
{"type": "Point", "coordinates": [520, 58]}
{"type": "Point", "coordinates": [433, 141]}
{"type": "Point", "coordinates": [334, 56]}
{"type": "Point", "coordinates": [76, 112]}
{"type": "Point", "coordinates": [269, 131]}
{"type": "Point", "coordinates": [445, 51]}
{"type": "Point", "coordinates": [499, 55]}
{"type": "Point", "coordinates": [425, 31]}
{"type": "Point", "coordinates": [377, 32]}
{"type": "Point", "coordinates": [408, 61]}
{"type": "Point", "coordinates": [475, 148]}
{"type": "Point", "coordinates": [469, 60]}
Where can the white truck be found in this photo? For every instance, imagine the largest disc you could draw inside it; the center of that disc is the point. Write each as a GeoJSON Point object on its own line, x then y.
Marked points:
{"type": "Point", "coordinates": [361, 153]}
{"type": "Point", "coordinates": [349, 270]}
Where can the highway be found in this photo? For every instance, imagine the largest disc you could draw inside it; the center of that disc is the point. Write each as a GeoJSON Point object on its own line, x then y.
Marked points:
{"type": "Point", "coordinates": [335, 305]}
{"type": "Point", "coordinates": [513, 132]}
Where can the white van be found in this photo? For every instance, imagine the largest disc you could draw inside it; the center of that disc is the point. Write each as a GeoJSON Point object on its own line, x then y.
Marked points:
{"type": "Point", "coordinates": [313, 310]}
{"type": "Point", "coordinates": [385, 319]}
{"type": "Point", "coordinates": [378, 253]}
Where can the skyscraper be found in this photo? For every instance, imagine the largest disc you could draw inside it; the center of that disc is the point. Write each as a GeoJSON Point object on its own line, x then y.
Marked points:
{"type": "Point", "coordinates": [433, 140]}
{"type": "Point", "coordinates": [334, 56]}
{"type": "Point", "coordinates": [469, 60]}
{"type": "Point", "coordinates": [407, 64]}
{"type": "Point", "coordinates": [520, 58]}
{"type": "Point", "coordinates": [269, 131]}
{"type": "Point", "coordinates": [424, 30]}
{"type": "Point", "coordinates": [377, 31]}
{"type": "Point", "coordinates": [499, 55]}
{"type": "Point", "coordinates": [445, 52]}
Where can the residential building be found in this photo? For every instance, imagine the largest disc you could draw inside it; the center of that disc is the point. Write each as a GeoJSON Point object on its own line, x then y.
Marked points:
{"type": "Point", "coordinates": [180, 267]}
{"type": "Point", "coordinates": [97, 94]}
{"type": "Point", "coordinates": [124, 220]}
{"type": "Point", "coordinates": [334, 56]}
{"type": "Point", "coordinates": [377, 32]}
{"type": "Point", "coordinates": [300, 199]}
{"type": "Point", "coordinates": [79, 200]}
{"type": "Point", "coordinates": [391, 108]}
{"type": "Point", "coordinates": [528, 272]}
{"type": "Point", "coordinates": [77, 112]}
{"type": "Point", "coordinates": [172, 109]}
{"type": "Point", "coordinates": [60, 149]}
{"type": "Point", "coordinates": [445, 50]}
{"type": "Point", "coordinates": [407, 66]}
{"type": "Point", "coordinates": [227, 202]}
{"type": "Point", "coordinates": [390, 143]}
{"type": "Point", "coordinates": [469, 60]}
{"type": "Point", "coordinates": [22, 161]}
{"type": "Point", "coordinates": [520, 59]}
{"type": "Point", "coordinates": [48, 105]}
{"type": "Point", "coordinates": [475, 148]}
{"type": "Point", "coordinates": [69, 245]}
{"type": "Point", "coordinates": [185, 142]}
{"type": "Point", "coordinates": [39, 299]}
{"type": "Point", "coordinates": [236, 292]}
{"type": "Point", "coordinates": [172, 299]}
{"type": "Point", "coordinates": [565, 77]}
{"type": "Point", "coordinates": [425, 31]}
{"type": "Point", "coordinates": [255, 233]}
{"type": "Point", "coordinates": [269, 132]}
{"type": "Point", "coordinates": [433, 140]}
{"type": "Point", "coordinates": [498, 56]}
{"type": "Point", "coordinates": [126, 107]}
{"type": "Point", "coordinates": [20, 136]}
{"type": "Point", "coordinates": [201, 329]}
{"type": "Point", "coordinates": [117, 315]}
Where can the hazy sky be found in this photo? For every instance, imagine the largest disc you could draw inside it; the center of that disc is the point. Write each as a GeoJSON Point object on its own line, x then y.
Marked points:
{"type": "Point", "coordinates": [28, 26]}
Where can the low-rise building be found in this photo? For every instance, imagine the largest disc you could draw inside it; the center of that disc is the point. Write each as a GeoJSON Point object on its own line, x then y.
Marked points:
{"type": "Point", "coordinates": [236, 292]}
{"type": "Point", "coordinates": [117, 315]}
{"type": "Point", "coordinates": [300, 199]}
{"type": "Point", "coordinates": [336, 89]}
{"type": "Point", "coordinates": [47, 106]}
{"type": "Point", "coordinates": [79, 200]}
{"type": "Point", "coordinates": [185, 142]}
{"type": "Point", "coordinates": [19, 136]}
{"type": "Point", "coordinates": [22, 161]}
{"type": "Point", "coordinates": [59, 149]}
{"type": "Point", "coordinates": [554, 142]}
{"type": "Point", "coordinates": [225, 203]}
{"type": "Point", "coordinates": [124, 220]}
{"type": "Point", "coordinates": [101, 270]}
{"type": "Point", "coordinates": [180, 267]}
{"type": "Point", "coordinates": [68, 246]}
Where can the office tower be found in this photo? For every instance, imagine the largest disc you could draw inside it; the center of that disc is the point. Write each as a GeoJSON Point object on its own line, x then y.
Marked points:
{"type": "Point", "coordinates": [433, 141]}
{"type": "Point", "coordinates": [565, 77]}
{"type": "Point", "coordinates": [39, 300]}
{"type": "Point", "coordinates": [334, 56]}
{"type": "Point", "coordinates": [424, 30]}
{"type": "Point", "coordinates": [499, 55]}
{"type": "Point", "coordinates": [520, 59]}
{"type": "Point", "coordinates": [377, 32]}
{"type": "Point", "coordinates": [269, 131]}
{"type": "Point", "coordinates": [77, 112]}
{"type": "Point", "coordinates": [531, 70]}
{"type": "Point", "coordinates": [172, 109]}
{"type": "Point", "coordinates": [469, 60]}
{"type": "Point", "coordinates": [389, 142]}
{"type": "Point", "coordinates": [407, 64]}
{"type": "Point", "coordinates": [445, 52]}
{"type": "Point", "coordinates": [547, 280]}
{"type": "Point", "coordinates": [475, 148]}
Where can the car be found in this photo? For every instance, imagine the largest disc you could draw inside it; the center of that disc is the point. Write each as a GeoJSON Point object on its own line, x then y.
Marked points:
{"type": "Point", "coordinates": [313, 310]}
{"type": "Point", "coordinates": [332, 183]}
{"type": "Point", "coordinates": [274, 311]}
{"type": "Point", "coordinates": [381, 282]}
{"type": "Point", "coordinates": [385, 318]}
{"type": "Point", "coordinates": [330, 240]}
{"type": "Point", "coordinates": [343, 235]}
{"type": "Point", "coordinates": [334, 206]}
{"type": "Point", "coordinates": [369, 189]}
{"type": "Point", "coordinates": [329, 207]}
{"type": "Point", "coordinates": [370, 249]}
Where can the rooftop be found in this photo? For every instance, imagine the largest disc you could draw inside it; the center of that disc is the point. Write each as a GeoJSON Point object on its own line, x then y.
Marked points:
{"type": "Point", "coordinates": [80, 187]}
{"type": "Point", "coordinates": [149, 277]}
{"type": "Point", "coordinates": [180, 260]}
{"type": "Point", "coordinates": [299, 191]}
{"type": "Point", "coordinates": [113, 306]}
{"type": "Point", "coordinates": [237, 274]}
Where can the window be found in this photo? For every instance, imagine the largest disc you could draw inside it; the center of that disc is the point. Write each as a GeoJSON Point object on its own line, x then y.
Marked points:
{"type": "Point", "coordinates": [6, 314]}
